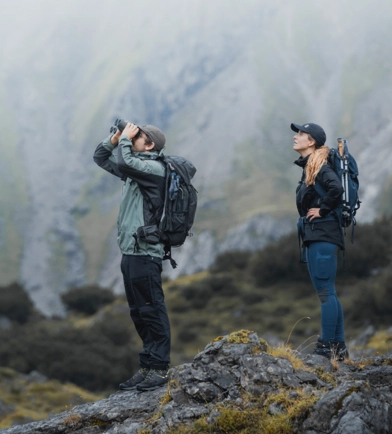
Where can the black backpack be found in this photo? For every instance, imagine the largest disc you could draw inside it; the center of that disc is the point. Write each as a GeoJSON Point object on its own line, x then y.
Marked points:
{"type": "Point", "coordinates": [345, 166]}
{"type": "Point", "coordinates": [180, 204]}
{"type": "Point", "coordinates": [179, 208]}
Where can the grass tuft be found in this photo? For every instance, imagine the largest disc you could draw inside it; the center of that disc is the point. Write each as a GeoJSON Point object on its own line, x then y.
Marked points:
{"type": "Point", "coordinates": [285, 351]}
{"type": "Point", "coordinates": [325, 376]}
{"type": "Point", "coordinates": [72, 420]}
{"type": "Point", "coordinates": [253, 416]}
{"type": "Point", "coordinates": [240, 337]}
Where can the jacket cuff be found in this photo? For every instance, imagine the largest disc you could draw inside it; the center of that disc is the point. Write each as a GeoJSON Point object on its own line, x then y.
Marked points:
{"type": "Point", "coordinates": [323, 212]}
{"type": "Point", "coordinates": [107, 144]}
{"type": "Point", "coordinates": [124, 139]}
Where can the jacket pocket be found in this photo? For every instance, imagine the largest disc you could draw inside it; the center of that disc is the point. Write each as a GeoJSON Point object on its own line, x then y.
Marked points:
{"type": "Point", "coordinates": [149, 234]}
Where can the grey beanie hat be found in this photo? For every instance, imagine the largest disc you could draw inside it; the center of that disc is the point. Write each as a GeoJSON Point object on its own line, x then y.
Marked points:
{"type": "Point", "coordinates": [155, 134]}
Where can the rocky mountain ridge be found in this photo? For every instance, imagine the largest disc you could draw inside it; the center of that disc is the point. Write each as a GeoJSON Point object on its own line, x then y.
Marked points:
{"type": "Point", "coordinates": [239, 383]}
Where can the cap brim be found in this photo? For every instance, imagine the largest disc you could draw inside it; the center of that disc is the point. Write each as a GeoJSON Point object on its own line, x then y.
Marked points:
{"type": "Point", "coordinates": [141, 129]}
{"type": "Point", "coordinates": [296, 127]}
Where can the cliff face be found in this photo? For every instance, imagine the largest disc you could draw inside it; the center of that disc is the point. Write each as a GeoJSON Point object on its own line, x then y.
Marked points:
{"type": "Point", "coordinates": [238, 383]}
{"type": "Point", "coordinates": [223, 80]}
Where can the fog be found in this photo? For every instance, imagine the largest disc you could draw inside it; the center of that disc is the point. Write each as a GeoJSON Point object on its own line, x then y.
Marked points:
{"type": "Point", "coordinates": [223, 79]}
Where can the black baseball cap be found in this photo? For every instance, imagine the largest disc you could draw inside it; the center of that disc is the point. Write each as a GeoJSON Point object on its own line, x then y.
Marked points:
{"type": "Point", "coordinates": [314, 130]}
{"type": "Point", "coordinates": [155, 134]}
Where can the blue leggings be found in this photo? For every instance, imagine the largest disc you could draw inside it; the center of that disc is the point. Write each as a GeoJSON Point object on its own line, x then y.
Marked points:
{"type": "Point", "coordinates": [322, 266]}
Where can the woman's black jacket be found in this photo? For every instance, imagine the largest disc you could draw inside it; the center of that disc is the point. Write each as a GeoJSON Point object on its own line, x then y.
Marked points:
{"type": "Point", "coordinates": [307, 197]}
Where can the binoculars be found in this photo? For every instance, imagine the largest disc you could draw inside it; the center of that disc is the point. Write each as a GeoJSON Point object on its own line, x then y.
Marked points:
{"type": "Point", "coordinates": [119, 124]}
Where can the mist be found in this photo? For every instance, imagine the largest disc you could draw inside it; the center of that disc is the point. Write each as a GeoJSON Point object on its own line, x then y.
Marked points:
{"type": "Point", "coordinates": [223, 79]}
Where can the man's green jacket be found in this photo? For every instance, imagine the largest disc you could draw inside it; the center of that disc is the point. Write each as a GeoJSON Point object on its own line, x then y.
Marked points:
{"type": "Point", "coordinates": [143, 192]}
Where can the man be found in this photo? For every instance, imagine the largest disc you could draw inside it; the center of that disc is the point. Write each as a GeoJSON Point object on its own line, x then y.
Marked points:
{"type": "Point", "coordinates": [141, 206]}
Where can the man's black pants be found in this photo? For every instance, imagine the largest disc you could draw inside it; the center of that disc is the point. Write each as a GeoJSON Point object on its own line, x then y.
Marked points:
{"type": "Point", "coordinates": [143, 288]}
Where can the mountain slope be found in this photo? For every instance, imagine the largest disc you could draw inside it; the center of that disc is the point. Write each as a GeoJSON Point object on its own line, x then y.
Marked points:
{"type": "Point", "coordinates": [223, 80]}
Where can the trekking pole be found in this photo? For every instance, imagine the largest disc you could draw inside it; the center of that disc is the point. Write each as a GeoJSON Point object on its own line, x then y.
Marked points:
{"type": "Point", "coordinates": [344, 166]}
{"type": "Point", "coordinates": [341, 153]}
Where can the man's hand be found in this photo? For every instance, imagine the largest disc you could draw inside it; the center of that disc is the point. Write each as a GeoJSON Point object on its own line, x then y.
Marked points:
{"type": "Point", "coordinates": [115, 138]}
{"type": "Point", "coordinates": [313, 213]}
{"type": "Point", "coordinates": [131, 130]}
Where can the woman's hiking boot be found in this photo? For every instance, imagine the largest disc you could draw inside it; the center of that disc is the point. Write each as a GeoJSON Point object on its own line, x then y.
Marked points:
{"type": "Point", "coordinates": [131, 384]}
{"type": "Point", "coordinates": [155, 378]}
{"type": "Point", "coordinates": [331, 350]}
{"type": "Point", "coordinates": [340, 351]}
{"type": "Point", "coordinates": [323, 348]}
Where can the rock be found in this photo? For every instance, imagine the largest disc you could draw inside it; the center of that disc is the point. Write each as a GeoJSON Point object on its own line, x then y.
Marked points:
{"type": "Point", "coordinates": [348, 398]}
{"type": "Point", "coordinates": [36, 377]}
{"type": "Point", "coordinates": [364, 337]}
{"type": "Point", "coordinates": [275, 409]}
{"type": "Point", "coordinates": [353, 407]}
{"type": "Point", "coordinates": [315, 361]}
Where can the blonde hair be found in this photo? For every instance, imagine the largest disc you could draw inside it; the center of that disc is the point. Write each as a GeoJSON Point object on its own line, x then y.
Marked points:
{"type": "Point", "coordinates": [317, 159]}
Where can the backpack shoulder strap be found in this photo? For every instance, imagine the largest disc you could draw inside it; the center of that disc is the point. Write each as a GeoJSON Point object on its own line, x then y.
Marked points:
{"type": "Point", "coordinates": [320, 189]}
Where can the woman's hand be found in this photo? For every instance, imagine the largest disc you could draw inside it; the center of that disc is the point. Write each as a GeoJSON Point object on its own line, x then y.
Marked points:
{"type": "Point", "coordinates": [313, 213]}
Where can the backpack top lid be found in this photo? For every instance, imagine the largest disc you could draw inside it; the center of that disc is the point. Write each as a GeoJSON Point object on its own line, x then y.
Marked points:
{"type": "Point", "coordinates": [182, 166]}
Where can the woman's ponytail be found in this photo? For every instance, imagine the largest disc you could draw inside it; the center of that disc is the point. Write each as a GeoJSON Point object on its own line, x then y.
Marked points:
{"type": "Point", "coordinates": [316, 160]}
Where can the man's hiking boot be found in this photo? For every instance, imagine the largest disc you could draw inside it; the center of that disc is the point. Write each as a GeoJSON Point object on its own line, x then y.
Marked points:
{"type": "Point", "coordinates": [340, 351]}
{"type": "Point", "coordinates": [323, 348]}
{"type": "Point", "coordinates": [131, 384]}
{"type": "Point", "coordinates": [155, 378]}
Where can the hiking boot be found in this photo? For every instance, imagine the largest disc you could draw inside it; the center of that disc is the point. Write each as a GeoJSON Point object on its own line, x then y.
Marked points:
{"type": "Point", "coordinates": [340, 351]}
{"type": "Point", "coordinates": [323, 348]}
{"type": "Point", "coordinates": [131, 384]}
{"type": "Point", "coordinates": [155, 378]}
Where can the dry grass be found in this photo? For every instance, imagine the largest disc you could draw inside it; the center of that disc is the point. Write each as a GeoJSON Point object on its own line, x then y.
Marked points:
{"type": "Point", "coordinates": [325, 376]}
{"type": "Point", "coordinates": [253, 416]}
{"type": "Point", "coordinates": [285, 351]}
{"type": "Point", "coordinates": [381, 342]}
{"type": "Point", "coordinates": [72, 421]}
{"type": "Point", "coordinates": [36, 401]}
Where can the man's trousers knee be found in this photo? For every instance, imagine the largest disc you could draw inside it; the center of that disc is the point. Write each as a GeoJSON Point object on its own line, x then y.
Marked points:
{"type": "Point", "coordinates": [143, 288]}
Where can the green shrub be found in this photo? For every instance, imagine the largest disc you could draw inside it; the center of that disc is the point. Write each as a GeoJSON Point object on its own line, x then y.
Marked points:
{"type": "Point", "coordinates": [117, 331]}
{"type": "Point", "coordinates": [186, 335]}
{"type": "Point", "coordinates": [227, 261]}
{"type": "Point", "coordinates": [82, 356]}
{"type": "Point", "coordinates": [362, 308]}
{"type": "Point", "coordinates": [87, 299]}
{"type": "Point", "coordinates": [382, 293]}
{"type": "Point", "coordinates": [15, 303]}
{"type": "Point", "coordinates": [199, 293]}
{"type": "Point", "coordinates": [277, 262]}
{"type": "Point", "coordinates": [371, 250]}
{"type": "Point", "coordinates": [221, 284]}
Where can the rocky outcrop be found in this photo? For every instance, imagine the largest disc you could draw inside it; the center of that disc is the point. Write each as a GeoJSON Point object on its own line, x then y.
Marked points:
{"type": "Point", "coordinates": [239, 382]}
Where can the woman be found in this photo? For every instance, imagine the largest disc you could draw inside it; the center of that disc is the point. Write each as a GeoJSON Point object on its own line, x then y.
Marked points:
{"type": "Point", "coordinates": [321, 232]}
